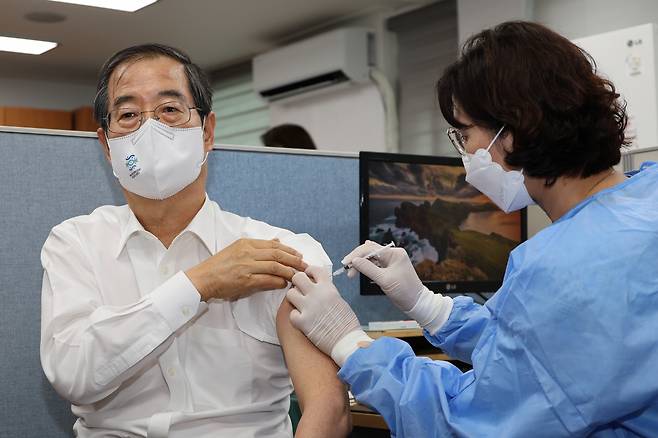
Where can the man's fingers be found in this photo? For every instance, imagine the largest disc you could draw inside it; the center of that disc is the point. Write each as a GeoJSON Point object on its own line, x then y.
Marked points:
{"type": "Point", "coordinates": [272, 268]}
{"type": "Point", "coordinates": [361, 251]}
{"type": "Point", "coordinates": [280, 256]}
{"type": "Point", "coordinates": [295, 297]}
{"type": "Point", "coordinates": [262, 282]}
{"type": "Point", "coordinates": [301, 281]}
{"type": "Point", "coordinates": [273, 244]}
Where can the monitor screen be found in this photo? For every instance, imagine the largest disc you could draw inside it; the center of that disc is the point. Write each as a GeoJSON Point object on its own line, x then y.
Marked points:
{"type": "Point", "coordinates": [457, 239]}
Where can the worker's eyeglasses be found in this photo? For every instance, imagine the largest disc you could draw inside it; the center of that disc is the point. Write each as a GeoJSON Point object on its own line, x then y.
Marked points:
{"type": "Point", "coordinates": [457, 139]}
{"type": "Point", "coordinates": [130, 119]}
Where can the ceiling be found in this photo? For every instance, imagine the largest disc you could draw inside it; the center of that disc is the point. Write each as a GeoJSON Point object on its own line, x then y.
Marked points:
{"type": "Point", "coordinates": [215, 33]}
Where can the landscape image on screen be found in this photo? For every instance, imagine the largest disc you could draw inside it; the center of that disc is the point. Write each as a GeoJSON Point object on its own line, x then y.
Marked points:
{"type": "Point", "coordinates": [450, 230]}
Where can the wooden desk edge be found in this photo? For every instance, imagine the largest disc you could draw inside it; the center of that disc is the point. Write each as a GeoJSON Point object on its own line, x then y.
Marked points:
{"type": "Point", "coordinates": [372, 421]}
{"type": "Point", "coordinates": [401, 333]}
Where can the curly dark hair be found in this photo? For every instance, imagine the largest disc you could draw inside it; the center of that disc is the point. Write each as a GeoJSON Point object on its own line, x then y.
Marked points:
{"type": "Point", "coordinates": [566, 119]}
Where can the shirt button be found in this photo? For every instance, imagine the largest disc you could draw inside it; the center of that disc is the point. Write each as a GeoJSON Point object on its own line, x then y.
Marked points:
{"type": "Point", "coordinates": [186, 310]}
{"type": "Point", "coordinates": [165, 270]}
{"type": "Point", "coordinates": [171, 372]}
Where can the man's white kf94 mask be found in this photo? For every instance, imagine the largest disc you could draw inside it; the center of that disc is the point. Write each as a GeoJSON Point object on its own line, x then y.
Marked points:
{"type": "Point", "coordinates": [157, 161]}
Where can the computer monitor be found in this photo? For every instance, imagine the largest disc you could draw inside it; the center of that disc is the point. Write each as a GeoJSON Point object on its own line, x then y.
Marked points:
{"type": "Point", "coordinates": [457, 239]}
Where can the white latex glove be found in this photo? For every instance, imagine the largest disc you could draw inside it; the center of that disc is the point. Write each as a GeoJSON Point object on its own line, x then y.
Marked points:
{"type": "Point", "coordinates": [395, 275]}
{"type": "Point", "coordinates": [323, 316]}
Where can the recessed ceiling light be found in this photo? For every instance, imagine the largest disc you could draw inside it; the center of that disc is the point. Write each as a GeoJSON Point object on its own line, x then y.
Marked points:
{"type": "Point", "coordinates": [22, 45]}
{"type": "Point", "coordinates": [119, 5]}
{"type": "Point", "coordinates": [45, 17]}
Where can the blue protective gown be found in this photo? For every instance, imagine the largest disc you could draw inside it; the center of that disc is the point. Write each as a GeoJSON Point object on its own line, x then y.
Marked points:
{"type": "Point", "coordinates": [568, 346]}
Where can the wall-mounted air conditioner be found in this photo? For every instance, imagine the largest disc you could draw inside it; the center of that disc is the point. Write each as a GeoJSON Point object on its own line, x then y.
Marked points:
{"type": "Point", "coordinates": [327, 59]}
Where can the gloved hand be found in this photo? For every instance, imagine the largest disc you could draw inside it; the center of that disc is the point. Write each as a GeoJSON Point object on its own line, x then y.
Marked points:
{"type": "Point", "coordinates": [395, 275]}
{"type": "Point", "coordinates": [323, 316]}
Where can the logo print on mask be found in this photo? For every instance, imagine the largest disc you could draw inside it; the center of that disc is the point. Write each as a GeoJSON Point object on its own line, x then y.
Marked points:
{"type": "Point", "coordinates": [132, 165]}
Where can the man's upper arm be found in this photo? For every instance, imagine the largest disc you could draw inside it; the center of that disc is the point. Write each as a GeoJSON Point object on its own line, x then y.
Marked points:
{"type": "Point", "coordinates": [313, 374]}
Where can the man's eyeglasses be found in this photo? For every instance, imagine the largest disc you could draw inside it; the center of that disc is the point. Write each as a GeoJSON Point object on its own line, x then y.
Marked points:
{"type": "Point", "coordinates": [129, 119]}
{"type": "Point", "coordinates": [457, 139]}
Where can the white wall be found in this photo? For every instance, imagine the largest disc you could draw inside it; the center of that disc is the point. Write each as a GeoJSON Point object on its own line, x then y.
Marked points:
{"type": "Point", "coordinates": [45, 94]}
{"type": "Point", "coordinates": [348, 119]}
{"type": "Point", "coordinates": [641, 157]}
{"type": "Point", "coordinates": [581, 18]}
{"type": "Point", "coordinates": [572, 18]}
{"type": "Point", "coordinates": [578, 18]}
{"type": "Point", "coordinates": [476, 15]}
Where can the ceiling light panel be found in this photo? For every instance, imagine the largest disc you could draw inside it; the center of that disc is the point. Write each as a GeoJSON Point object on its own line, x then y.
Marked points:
{"type": "Point", "coordinates": [119, 5]}
{"type": "Point", "coordinates": [22, 45]}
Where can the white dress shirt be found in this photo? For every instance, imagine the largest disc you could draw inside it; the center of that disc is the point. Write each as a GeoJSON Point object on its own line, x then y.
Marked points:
{"type": "Point", "coordinates": [126, 339]}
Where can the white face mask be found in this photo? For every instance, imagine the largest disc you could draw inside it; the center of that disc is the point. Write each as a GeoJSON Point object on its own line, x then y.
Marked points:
{"type": "Point", "coordinates": [505, 188]}
{"type": "Point", "coordinates": [157, 161]}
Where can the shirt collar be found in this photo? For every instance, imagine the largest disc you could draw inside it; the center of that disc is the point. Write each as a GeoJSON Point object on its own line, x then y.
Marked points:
{"type": "Point", "coordinates": [202, 225]}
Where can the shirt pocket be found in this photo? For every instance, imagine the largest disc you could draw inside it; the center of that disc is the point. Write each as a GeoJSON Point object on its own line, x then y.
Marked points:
{"type": "Point", "coordinates": [219, 367]}
{"type": "Point", "coordinates": [255, 315]}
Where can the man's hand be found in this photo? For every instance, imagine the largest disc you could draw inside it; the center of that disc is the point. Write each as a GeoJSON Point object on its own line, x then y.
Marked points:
{"type": "Point", "coordinates": [245, 267]}
{"type": "Point", "coordinates": [322, 314]}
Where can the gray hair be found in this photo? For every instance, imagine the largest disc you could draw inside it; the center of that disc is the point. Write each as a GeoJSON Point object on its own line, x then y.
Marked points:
{"type": "Point", "coordinates": [196, 78]}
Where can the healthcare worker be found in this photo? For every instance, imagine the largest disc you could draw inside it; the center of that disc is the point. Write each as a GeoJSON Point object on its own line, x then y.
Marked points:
{"type": "Point", "coordinates": [568, 346]}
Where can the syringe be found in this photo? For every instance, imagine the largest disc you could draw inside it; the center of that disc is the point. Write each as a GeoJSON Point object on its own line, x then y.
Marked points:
{"type": "Point", "coordinates": [367, 256]}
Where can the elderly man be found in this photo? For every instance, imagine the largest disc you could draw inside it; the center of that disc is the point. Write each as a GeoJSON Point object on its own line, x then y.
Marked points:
{"type": "Point", "coordinates": [166, 316]}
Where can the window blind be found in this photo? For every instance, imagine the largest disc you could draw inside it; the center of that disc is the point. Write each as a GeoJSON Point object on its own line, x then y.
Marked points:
{"type": "Point", "coordinates": [242, 115]}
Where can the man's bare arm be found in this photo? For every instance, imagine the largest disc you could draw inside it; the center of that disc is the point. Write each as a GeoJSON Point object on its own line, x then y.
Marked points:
{"type": "Point", "coordinates": [322, 396]}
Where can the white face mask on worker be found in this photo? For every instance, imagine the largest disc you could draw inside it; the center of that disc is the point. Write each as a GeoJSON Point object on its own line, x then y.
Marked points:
{"type": "Point", "coordinates": [505, 188]}
{"type": "Point", "coordinates": [157, 161]}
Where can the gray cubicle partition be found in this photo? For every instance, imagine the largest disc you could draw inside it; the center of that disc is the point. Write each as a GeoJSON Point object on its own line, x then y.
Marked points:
{"type": "Point", "coordinates": [47, 177]}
